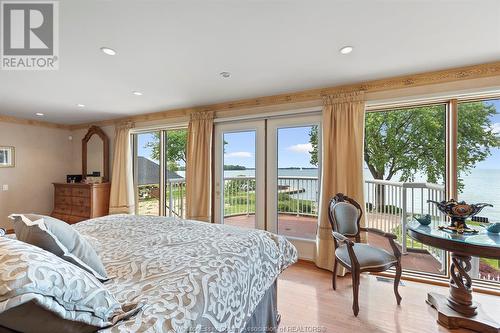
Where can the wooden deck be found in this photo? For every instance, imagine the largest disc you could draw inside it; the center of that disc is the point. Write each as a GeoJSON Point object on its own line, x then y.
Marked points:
{"type": "Point", "coordinates": [305, 227]}
{"type": "Point", "coordinates": [288, 225]}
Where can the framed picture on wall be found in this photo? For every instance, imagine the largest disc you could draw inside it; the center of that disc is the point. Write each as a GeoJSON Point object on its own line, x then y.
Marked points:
{"type": "Point", "coordinates": [7, 157]}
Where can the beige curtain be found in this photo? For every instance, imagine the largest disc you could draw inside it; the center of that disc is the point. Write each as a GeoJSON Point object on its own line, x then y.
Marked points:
{"type": "Point", "coordinates": [199, 166]}
{"type": "Point", "coordinates": [122, 199]}
{"type": "Point", "coordinates": [343, 136]}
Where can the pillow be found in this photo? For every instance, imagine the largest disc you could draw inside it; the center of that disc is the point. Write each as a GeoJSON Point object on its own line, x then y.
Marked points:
{"type": "Point", "coordinates": [40, 292]}
{"type": "Point", "coordinates": [61, 239]}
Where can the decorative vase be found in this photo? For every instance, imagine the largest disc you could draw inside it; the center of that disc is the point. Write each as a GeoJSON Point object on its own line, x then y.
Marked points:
{"type": "Point", "coordinates": [459, 212]}
{"type": "Point", "coordinates": [423, 219]}
{"type": "Point", "coordinates": [494, 228]}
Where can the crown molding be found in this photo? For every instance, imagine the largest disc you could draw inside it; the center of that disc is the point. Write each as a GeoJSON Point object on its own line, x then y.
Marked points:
{"type": "Point", "coordinates": [393, 83]}
{"type": "Point", "coordinates": [299, 98]}
{"type": "Point", "coordinates": [31, 122]}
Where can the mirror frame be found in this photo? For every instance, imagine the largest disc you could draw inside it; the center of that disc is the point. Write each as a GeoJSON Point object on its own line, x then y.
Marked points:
{"type": "Point", "coordinates": [94, 130]}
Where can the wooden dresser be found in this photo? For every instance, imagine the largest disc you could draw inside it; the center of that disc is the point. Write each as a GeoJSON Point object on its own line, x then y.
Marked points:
{"type": "Point", "coordinates": [78, 202]}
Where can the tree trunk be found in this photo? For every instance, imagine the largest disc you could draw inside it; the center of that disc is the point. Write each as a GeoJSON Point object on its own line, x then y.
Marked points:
{"type": "Point", "coordinates": [379, 197]}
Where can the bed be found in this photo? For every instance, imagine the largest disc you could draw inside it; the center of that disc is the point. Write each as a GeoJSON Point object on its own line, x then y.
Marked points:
{"type": "Point", "coordinates": [191, 276]}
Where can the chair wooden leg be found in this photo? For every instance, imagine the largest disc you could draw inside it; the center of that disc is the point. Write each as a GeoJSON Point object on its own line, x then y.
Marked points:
{"type": "Point", "coordinates": [334, 277]}
{"type": "Point", "coordinates": [355, 292]}
{"type": "Point", "coordinates": [397, 278]}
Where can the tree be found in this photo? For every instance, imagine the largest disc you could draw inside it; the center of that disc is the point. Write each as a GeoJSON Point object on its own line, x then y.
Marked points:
{"type": "Point", "coordinates": [175, 144]}
{"type": "Point", "coordinates": [313, 140]}
{"type": "Point", "coordinates": [412, 141]}
{"type": "Point", "coordinates": [176, 141]}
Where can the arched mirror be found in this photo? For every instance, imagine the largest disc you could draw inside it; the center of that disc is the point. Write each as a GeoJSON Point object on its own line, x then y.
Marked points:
{"type": "Point", "coordinates": [95, 154]}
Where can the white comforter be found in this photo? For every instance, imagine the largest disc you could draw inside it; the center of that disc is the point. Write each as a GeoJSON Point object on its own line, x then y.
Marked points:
{"type": "Point", "coordinates": [192, 276]}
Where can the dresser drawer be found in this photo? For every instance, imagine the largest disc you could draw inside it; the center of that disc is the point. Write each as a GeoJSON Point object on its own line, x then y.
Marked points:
{"type": "Point", "coordinates": [62, 191]}
{"type": "Point", "coordinates": [81, 192]}
{"type": "Point", "coordinates": [81, 211]}
{"type": "Point", "coordinates": [80, 201]}
{"type": "Point", "coordinates": [62, 209]}
{"type": "Point", "coordinates": [63, 200]}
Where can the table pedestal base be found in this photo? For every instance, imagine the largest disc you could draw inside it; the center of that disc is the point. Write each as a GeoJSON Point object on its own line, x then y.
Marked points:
{"type": "Point", "coordinates": [449, 318]}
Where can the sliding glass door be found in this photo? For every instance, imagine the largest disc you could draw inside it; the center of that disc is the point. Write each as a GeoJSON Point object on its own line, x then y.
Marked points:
{"type": "Point", "coordinates": [159, 172]}
{"type": "Point", "coordinates": [147, 173]}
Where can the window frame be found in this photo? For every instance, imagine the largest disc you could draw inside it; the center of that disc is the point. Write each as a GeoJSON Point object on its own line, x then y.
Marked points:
{"type": "Point", "coordinates": [451, 172]}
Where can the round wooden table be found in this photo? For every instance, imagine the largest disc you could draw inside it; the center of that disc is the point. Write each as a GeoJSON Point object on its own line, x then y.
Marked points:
{"type": "Point", "coordinates": [457, 310]}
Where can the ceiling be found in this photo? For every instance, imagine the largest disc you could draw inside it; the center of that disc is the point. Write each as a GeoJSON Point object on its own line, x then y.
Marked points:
{"type": "Point", "coordinates": [173, 51]}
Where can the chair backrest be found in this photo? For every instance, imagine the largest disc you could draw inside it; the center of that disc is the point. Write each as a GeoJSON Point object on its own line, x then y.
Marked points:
{"type": "Point", "coordinates": [345, 215]}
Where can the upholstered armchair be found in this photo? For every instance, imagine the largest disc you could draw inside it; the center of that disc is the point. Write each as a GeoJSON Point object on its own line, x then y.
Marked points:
{"type": "Point", "coordinates": [345, 215]}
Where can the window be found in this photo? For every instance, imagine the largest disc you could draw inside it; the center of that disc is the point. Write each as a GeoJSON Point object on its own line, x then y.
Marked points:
{"type": "Point", "coordinates": [175, 173]}
{"type": "Point", "coordinates": [405, 158]}
{"type": "Point", "coordinates": [147, 173]}
{"type": "Point", "coordinates": [478, 164]}
{"type": "Point", "coordinates": [408, 153]}
{"type": "Point", "coordinates": [240, 181]}
{"type": "Point", "coordinates": [159, 172]}
{"type": "Point", "coordinates": [298, 181]}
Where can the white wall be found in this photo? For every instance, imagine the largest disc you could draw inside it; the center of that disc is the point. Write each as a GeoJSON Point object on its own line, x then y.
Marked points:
{"type": "Point", "coordinates": [43, 156]}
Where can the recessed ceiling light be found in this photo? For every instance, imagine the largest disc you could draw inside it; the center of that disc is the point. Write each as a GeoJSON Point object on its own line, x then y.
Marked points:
{"type": "Point", "coordinates": [39, 114]}
{"type": "Point", "coordinates": [80, 105]}
{"type": "Point", "coordinates": [225, 75]}
{"type": "Point", "coordinates": [137, 93]}
{"type": "Point", "coordinates": [108, 51]}
{"type": "Point", "coordinates": [346, 49]}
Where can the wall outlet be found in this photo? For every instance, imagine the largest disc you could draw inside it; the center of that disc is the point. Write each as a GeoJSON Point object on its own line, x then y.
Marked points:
{"type": "Point", "coordinates": [5, 187]}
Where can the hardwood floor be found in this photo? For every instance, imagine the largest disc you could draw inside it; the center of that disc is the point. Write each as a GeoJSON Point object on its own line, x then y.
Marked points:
{"type": "Point", "coordinates": [308, 303]}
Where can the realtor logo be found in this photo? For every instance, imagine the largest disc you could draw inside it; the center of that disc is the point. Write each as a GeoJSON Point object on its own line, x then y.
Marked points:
{"type": "Point", "coordinates": [29, 35]}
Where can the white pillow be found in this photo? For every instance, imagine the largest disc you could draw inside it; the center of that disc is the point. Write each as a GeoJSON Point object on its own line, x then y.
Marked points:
{"type": "Point", "coordinates": [35, 277]}
{"type": "Point", "coordinates": [59, 238]}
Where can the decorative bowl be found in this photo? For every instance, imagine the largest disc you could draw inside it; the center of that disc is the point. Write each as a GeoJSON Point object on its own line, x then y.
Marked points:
{"type": "Point", "coordinates": [459, 211]}
{"type": "Point", "coordinates": [494, 228]}
{"type": "Point", "coordinates": [423, 219]}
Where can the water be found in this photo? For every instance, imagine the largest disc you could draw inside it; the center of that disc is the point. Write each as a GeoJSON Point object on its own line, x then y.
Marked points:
{"type": "Point", "coordinates": [311, 189]}
{"type": "Point", "coordinates": [481, 185]}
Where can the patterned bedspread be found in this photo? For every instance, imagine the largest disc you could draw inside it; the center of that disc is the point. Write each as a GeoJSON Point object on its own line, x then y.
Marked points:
{"type": "Point", "coordinates": [192, 276]}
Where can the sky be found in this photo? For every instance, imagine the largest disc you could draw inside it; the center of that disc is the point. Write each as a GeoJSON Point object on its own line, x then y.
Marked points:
{"type": "Point", "coordinates": [294, 147]}
{"type": "Point", "coordinates": [493, 162]}
{"type": "Point", "coordinates": [142, 141]}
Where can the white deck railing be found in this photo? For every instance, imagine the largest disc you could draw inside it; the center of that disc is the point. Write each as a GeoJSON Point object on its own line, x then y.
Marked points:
{"type": "Point", "coordinates": [296, 195]}
{"type": "Point", "coordinates": [389, 205]}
